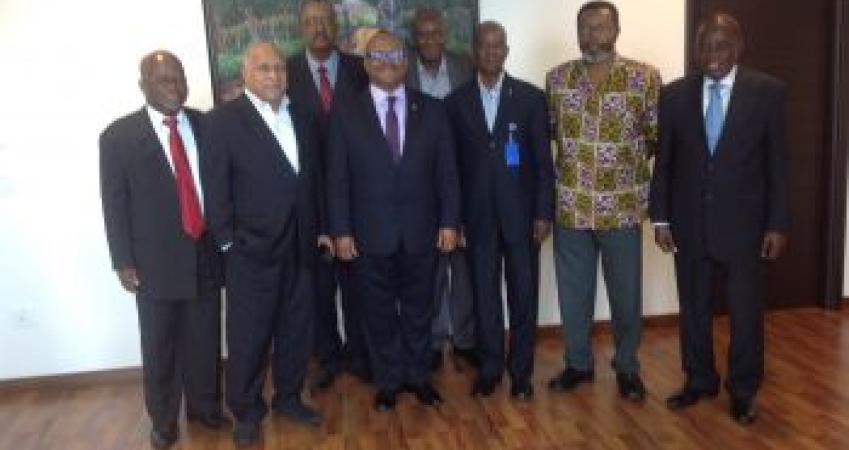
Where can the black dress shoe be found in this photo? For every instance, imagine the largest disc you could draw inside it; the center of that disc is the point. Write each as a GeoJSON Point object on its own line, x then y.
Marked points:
{"type": "Point", "coordinates": [163, 439]}
{"type": "Point", "coordinates": [245, 434]}
{"type": "Point", "coordinates": [214, 420]}
{"type": "Point", "coordinates": [299, 412]}
{"type": "Point", "coordinates": [470, 355]}
{"type": "Point", "coordinates": [325, 379]}
{"type": "Point", "coordinates": [522, 391]}
{"type": "Point", "coordinates": [385, 400]}
{"type": "Point", "coordinates": [743, 410]}
{"type": "Point", "coordinates": [688, 396]}
{"type": "Point", "coordinates": [426, 394]}
{"type": "Point", "coordinates": [631, 387]}
{"type": "Point", "coordinates": [569, 378]}
{"type": "Point", "coordinates": [436, 361]}
{"type": "Point", "coordinates": [484, 387]}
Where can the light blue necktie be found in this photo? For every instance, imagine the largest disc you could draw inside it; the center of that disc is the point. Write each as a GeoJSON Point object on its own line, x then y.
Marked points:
{"type": "Point", "coordinates": [714, 116]}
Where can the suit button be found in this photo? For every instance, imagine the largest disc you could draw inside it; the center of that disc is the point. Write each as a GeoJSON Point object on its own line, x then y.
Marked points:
{"type": "Point", "coordinates": [710, 167]}
{"type": "Point", "coordinates": [708, 197]}
{"type": "Point", "coordinates": [492, 145]}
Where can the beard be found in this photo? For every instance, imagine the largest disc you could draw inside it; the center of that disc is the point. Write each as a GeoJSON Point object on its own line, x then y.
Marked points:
{"type": "Point", "coordinates": [601, 54]}
{"type": "Point", "coordinates": [597, 57]}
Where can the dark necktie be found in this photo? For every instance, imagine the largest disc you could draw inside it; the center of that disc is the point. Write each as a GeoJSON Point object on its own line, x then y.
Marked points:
{"type": "Point", "coordinates": [325, 90]}
{"type": "Point", "coordinates": [393, 135]}
{"type": "Point", "coordinates": [189, 205]}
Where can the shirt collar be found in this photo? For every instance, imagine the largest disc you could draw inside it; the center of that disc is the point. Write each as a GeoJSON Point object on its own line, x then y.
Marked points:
{"type": "Point", "coordinates": [496, 90]}
{"type": "Point", "coordinates": [262, 105]}
{"type": "Point", "coordinates": [726, 81]}
{"type": "Point", "coordinates": [380, 96]}
{"type": "Point", "coordinates": [157, 117]}
{"type": "Point", "coordinates": [331, 62]}
{"type": "Point", "coordinates": [442, 71]}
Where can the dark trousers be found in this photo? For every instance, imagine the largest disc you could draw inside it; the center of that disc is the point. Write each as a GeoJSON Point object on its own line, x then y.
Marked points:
{"type": "Point", "coordinates": [487, 250]}
{"type": "Point", "coordinates": [269, 305]}
{"type": "Point", "coordinates": [397, 295]}
{"type": "Point", "coordinates": [332, 355]}
{"type": "Point", "coordinates": [745, 310]}
{"type": "Point", "coordinates": [181, 354]}
{"type": "Point", "coordinates": [454, 313]}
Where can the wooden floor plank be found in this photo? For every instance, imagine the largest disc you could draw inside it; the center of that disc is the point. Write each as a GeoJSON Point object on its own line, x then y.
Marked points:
{"type": "Point", "coordinates": [804, 405]}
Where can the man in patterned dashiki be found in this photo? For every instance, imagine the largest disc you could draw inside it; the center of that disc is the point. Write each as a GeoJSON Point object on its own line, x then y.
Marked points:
{"type": "Point", "coordinates": [603, 110]}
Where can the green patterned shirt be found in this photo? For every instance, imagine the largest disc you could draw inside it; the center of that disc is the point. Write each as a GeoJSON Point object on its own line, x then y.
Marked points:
{"type": "Point", "coordinates": [603, 138]}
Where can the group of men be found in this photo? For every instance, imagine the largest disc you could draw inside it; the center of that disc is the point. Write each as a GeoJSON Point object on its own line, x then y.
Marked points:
{"type": "Point", "coordinates": [412, 182]}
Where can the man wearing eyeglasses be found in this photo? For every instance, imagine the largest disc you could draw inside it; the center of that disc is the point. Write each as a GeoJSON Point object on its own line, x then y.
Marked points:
{"type": "Point", "coordinates": [393, 202]}
{"type": "Point", "coordinates": [317, 77]}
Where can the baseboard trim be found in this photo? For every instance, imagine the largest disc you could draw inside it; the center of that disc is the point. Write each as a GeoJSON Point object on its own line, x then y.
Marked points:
{"type": "Point", "coordinates": [605, 327]}
{"type": "Point", "coordinates": [74, 380]}
{"type": "Point", "coordinates": [134, 374]}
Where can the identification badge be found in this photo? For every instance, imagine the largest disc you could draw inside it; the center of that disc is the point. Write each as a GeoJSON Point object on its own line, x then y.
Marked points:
{"type": "Point", "coordinates": [511, 149]}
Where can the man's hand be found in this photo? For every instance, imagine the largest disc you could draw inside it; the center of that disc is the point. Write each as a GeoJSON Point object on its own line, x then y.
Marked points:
{"type": "Point", "coordinates": [346, 249]}
{"type": "Point", "coordinates": [325, 246]}
{"type": "Point", "coordinates": [663, 239]}
{"type": "Point", "coordinates": [542, 228]}
{"type": "Point", "coordinates": [773, 245]}
{"type": "Point", "coordinates": [446, 240]}
{"type": "Point", "coordinates": [129, 279]}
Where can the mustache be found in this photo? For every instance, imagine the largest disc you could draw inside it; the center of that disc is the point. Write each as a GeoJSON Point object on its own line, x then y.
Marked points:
{"type": "Point", "coordinates": [597, 57]}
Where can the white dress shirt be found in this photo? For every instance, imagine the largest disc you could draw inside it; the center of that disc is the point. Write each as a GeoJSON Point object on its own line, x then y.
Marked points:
{"type": "Point", "coordinates": [381, 105]}
{"type": "Point", "coordinates": [184, 127]}
{"type": "Point", "coordinates": [280, 124]}
{"type": "Point", "coordinates": [490, 99]}
{"type": "Point", "coordinates": [726, 83]}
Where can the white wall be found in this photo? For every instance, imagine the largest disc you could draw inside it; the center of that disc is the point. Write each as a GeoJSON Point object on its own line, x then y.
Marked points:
{"type": "Point", "coordinates": [71, 67]}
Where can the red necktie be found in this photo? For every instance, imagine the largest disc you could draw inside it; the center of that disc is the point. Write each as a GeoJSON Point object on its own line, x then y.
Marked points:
{"type": "Point", "coordinates": [326, 92]}
{"type": "Point", "coordinates": [189, 204]}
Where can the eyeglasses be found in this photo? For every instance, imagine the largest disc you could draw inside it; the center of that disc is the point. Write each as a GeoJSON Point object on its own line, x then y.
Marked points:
{"type": "Point", "coordinates": [396, 56]}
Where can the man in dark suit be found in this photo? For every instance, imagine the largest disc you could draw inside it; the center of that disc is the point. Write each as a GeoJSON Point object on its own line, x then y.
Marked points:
{"type": "Point", "coordinates": [719, 201]}
{"type": "Point", "coordinates": [317, 76]}
{"type": "Point", "coordinates": [393, 199]}
{"type": "Point", "coordinates": [504, 153]}
{"type": "Point", "coordinates": [437, 72]}
{"type": "Point", "coordinates": [264, 183]}
{"type": "Point", "coordinates": [151, 191]}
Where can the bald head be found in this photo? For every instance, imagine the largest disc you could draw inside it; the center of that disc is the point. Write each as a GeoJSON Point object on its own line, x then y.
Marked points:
{"type": "Point", "coordinates": [386, 62]}
{"type": "Point", "coordinates": [264, 72]}
{"type": "Point", "coordinates": [163, 82]}
{"type": "Point", "coordinates": [719, 43]}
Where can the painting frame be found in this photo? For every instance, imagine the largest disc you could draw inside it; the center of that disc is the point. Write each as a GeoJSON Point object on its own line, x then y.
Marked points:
{"type": "Point", "coordinates": [231, 25]}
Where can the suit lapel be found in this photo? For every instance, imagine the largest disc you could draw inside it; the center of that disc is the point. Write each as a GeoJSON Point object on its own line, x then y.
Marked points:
{"type": "Point", "coordinates": [149, 144]}
{"type": "Point", "coordinates": [372, 124]}
{"type": "Point", "coordinates": [302, 71]}
{"type": "Point", "coordinates": [413, 122]}
{"type": "Point", "coordinates": [505, 104]}
{"type": "Point", "coordinates": [473, 99]}
{"type": "Point", "coordinates": [696, 112]}
{"type": "Point", "coordinates": [254, 121]}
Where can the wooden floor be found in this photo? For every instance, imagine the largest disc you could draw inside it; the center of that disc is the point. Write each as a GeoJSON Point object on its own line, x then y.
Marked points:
{"type": "Point", "coordinates": [803, 405]}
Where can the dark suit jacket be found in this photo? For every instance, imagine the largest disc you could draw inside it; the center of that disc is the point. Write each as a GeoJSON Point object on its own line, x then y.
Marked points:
{"type": "Point", "coordinates": [460, 70]}
{"type": "Point", "coordinates": [383, 205]}
{"type": "Point", "coordinates": [493, 194]}
{"type": "Point", "coordinates": [350, 79]}
{"type": "Point", "coordinates": [141, 209]}
{"type": "Point", "coordinates": [722, 204]}
{"type": "Point", "coordinates": [254, 194]}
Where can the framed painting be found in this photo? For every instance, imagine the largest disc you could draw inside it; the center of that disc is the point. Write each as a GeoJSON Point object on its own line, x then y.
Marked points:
{"type": "Point", "coordinates": [232, 25]}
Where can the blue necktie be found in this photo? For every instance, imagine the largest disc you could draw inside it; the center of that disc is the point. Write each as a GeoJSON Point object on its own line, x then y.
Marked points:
{"type": "Point", "coordinates": [393, 134]}
{"type": "Point", "coordinates": [714, 116]}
